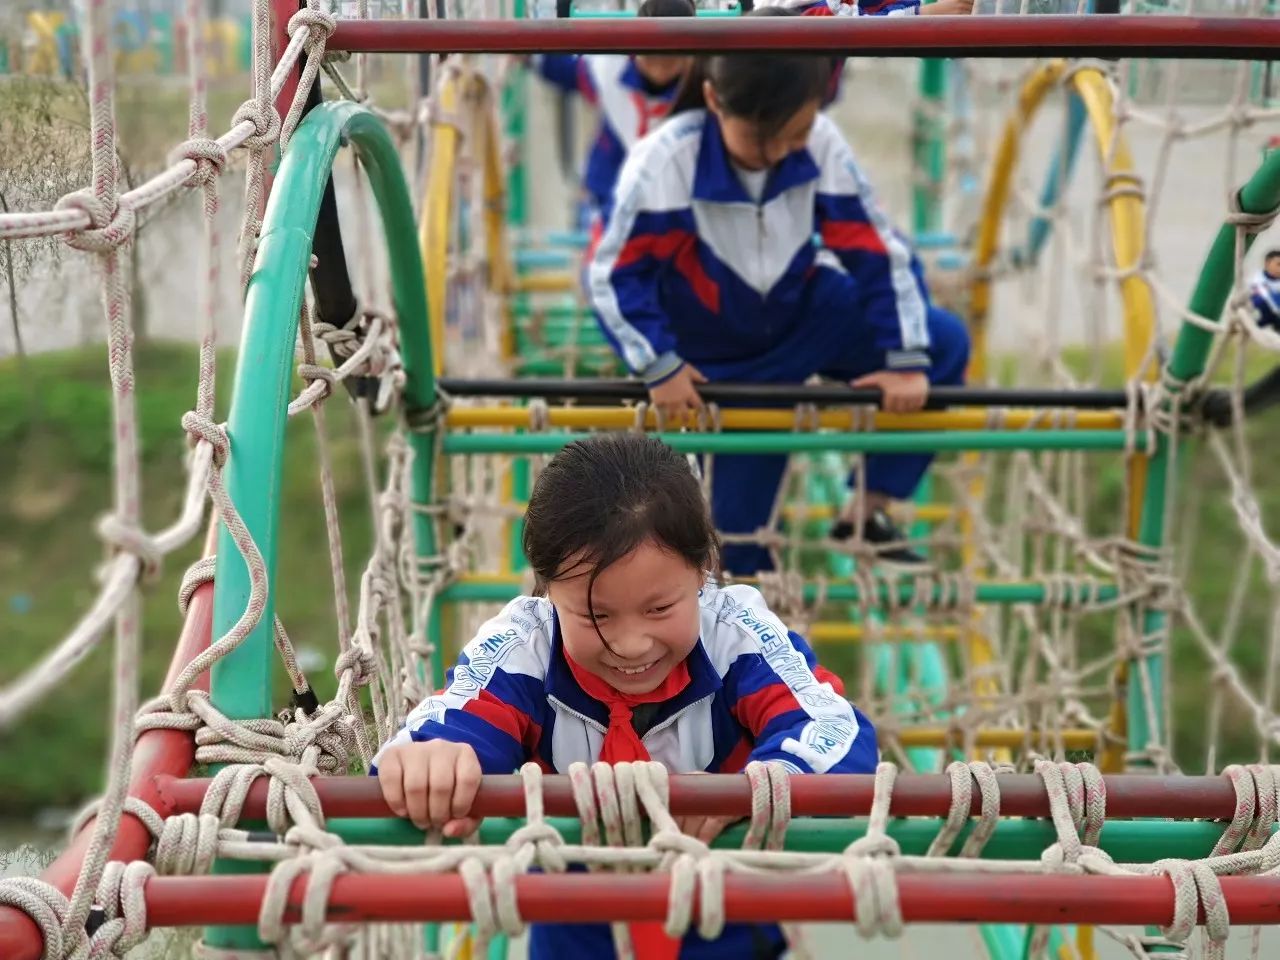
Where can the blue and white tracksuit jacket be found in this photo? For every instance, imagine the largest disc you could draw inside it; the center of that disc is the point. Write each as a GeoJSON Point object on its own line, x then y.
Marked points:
{"type": "Point", "coordinates": [1265, 296]}
{"type": "Point", "coordinates": [628, 108]}
{"type": "Point", "coordinates": [755, 692]}
{"type": "Point", "coordinates": [812, 278]}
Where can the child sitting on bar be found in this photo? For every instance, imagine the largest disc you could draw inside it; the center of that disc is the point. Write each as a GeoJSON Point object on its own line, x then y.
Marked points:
{"type": "Point", "coordinates": [629, 652]}
{"type": "Point", "coordinates": [745, 245]}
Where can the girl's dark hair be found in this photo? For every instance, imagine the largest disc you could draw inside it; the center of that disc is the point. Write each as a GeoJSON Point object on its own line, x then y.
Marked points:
{"type": "Point", "coordinates": [1272, 253]}
{"type": "Point", "coordinates": [667, 8]}
{"type": "Point", "coordinates": [601, 497]}
{"type": "Point", "coordinates": [766, 89]}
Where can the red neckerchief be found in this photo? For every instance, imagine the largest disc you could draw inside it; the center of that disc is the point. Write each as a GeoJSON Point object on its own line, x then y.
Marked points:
{"type": "Point", "coordinates": [621, 744]}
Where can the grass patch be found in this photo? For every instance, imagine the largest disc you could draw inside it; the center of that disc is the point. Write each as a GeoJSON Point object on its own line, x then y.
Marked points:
{"type": "Point", "coordinates": [54, 421]}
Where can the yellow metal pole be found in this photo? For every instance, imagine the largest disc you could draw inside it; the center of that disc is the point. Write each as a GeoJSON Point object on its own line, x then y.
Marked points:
{"type": "Point", "coordinates": [437, 208]}
{"type": "Point", "coordinates": [845, 420]}
{"type": "Point", "coordinates": [557, 282]}
{"type": "Point", "coordinates": [1128, 232]}
{"type": "Point", "coordinates": [996, 201]}
{"type": "Point", "coordinates": [1128, 222]}
{"type": "Point", "coordinates": [993, 738]}
{"type": "Point", "coordinates": [837, 632]}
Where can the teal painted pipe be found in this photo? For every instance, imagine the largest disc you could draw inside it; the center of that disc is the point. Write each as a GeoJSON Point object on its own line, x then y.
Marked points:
{"type": "Point", "coordinates": [542, 260]}
{"type": "Point", "coordinates": [498, 591]}
{"type": "Point", "coordinates": [240, 682]}
{"type": "Point", "coordinates": [1059, 175]}
{"type": "Point", "coordinates": [1128, 841]}
{"type": "Point", "coordinates": [921, 441]}
{"type": "Point", "coordinates": [1004, 941]}
{"type": "Point", "coordinates": [1191, 350]}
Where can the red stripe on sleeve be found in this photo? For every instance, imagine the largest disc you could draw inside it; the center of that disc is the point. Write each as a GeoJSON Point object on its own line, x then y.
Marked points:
{"type": "Point", "coordinates": [824, 675]}
{"type": "Point", "coordinates": [660, 246]}
{"type": "Point", "coordinates": [515, 723]}
{"type": "Point", "coordinates": [851, 235]}
{"type": "Point", "coordinates": [755, 710]}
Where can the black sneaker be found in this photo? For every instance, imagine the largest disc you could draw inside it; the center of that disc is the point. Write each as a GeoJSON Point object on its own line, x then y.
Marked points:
{"type": "Point", "coordinates": [879, 530]}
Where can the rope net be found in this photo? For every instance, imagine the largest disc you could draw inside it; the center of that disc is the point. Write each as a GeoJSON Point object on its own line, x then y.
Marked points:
{"type": "Point", "coordinates": [1058, 594]}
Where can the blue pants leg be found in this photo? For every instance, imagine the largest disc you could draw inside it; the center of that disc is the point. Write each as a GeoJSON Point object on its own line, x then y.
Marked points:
{"type": "Point", "coordinates": [743, 487]}
{"type": "Point", "coordinates": [829, 342]}
{"type": "Point", "coordinates": [898, 474]}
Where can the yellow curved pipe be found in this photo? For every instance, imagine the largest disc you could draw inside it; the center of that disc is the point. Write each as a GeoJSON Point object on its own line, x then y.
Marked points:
{"type": "Point", "coordinates": [994, 203]}
{"type": "Point", "coordinates": [437, 209]}
{"type": "Point", "coordinates": [495, 201]}
{"type": "Point", "coordinates": [1127, 213]}
{"type": "Point", "coordinates": [458, 92]}
{"type": "Point", "coordinates": [1128, 224]}
{"type": "Point", "coordinates": [1030, 97]}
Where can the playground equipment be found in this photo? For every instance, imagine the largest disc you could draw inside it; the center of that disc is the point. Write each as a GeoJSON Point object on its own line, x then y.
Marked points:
{"type": "Point", "coordinates": [1040, 634]}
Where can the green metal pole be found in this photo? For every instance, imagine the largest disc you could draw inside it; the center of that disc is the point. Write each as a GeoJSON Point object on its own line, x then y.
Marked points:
{"type": "Point", "coordinates": [919, 441]}
{"type": "Point", "coordinates": [1259, 195]}
{"type": "Point", "coordinates": [501, 591]}
{"type": "Point", "coordinates": [930, 147]}
{"type": "Point", "coordinates": [240, 682]}
{"type": "Point", "coordinates": [1127, 841]}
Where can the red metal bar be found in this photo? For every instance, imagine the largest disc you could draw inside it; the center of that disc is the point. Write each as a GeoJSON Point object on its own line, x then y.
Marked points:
{"type": "Point", "coordinates": [562, 898]}
{"type": "Point", "coordinates": [158, 753]}
{"type": "Point", "coordinates": [833, 795]}
{"type": "Point", "coordinates": [1059, 36]}
{"type": "Point", "coordinates": [281, 12]}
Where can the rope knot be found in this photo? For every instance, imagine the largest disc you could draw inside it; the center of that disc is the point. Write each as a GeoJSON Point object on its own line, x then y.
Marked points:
{"type": "Point", "coordinates": [124, 905]}
{"type": "Point", "coordinates": [46, 905]}
{"type": "Point", "coordinates": [309, 837]}
{"type": "Point", "coordinates": [111, 224]}
{"type": "Point", "coordinates": [202, 428]}
{"type": "Point", "coordinates": [188, 844]}
{"type": "Point", "coordinates": [545, 840]}
{"type": "Point", "coordinates": [875, 894]}
{"type": "Point", "coordinates": [124, 537]}
{"type": "Point", "coordinates": [318, 24]}
{"type": "Point", "coordinates": [360, 661]}
{"type": "Point", "coordinates": [312, 372]}
{"type": "Point", "coordinates": [672, 843]}
{"type": "Point", "coordinates": [881, 845]}
{"type": "Point", "coordinates": [265, 120]}
{"type": "Point", "coordinates": [209, 156]}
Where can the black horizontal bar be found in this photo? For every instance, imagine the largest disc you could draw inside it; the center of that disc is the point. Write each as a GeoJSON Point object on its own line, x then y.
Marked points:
{"type": "Point", "coordinates": [1215, 405]}
{"type": "Point", "coordinates": [787, 394]}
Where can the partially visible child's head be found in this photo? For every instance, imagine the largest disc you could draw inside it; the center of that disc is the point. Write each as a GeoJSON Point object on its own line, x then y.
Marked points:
{"type": "Point", "coordinates": [620, 539]}
{"type": "Point", "coordinates": [765, 103]}
{"type": "Point", "coordinates": [1271, 263]}
{"type": "Point", "coordinates": [662, 70]}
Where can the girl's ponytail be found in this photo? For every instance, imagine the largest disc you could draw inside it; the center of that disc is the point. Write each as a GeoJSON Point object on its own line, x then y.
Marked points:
{"type": "Point", "coordinates": [690, 96]}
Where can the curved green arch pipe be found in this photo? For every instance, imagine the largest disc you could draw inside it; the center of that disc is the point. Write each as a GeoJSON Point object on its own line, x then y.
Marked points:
{"type": "Point", "coordinates": [240, 683]}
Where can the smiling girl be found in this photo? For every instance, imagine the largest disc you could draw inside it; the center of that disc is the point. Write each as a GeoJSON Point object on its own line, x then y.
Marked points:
{"type": "Point", "coordinates": [630, 652]}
